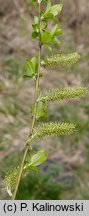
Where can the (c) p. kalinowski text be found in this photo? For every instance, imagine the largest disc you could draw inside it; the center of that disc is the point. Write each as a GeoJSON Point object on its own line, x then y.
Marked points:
{"type": "Point", "coordinates": [48, 207]}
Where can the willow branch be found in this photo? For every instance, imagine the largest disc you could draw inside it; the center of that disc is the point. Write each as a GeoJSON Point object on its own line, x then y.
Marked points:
{"type": "Point", "coordinates": [35, 108]}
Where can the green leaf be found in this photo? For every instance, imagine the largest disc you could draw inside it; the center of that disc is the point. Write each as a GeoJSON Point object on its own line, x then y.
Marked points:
{"type": "Point", "coordinates": [55, 40]}
{"type": "Point", "coordinates": [53, 30]}
{"type": "Point", "coordinates": [33, 169]}
{"type": "Point", "coordinates": [55, 9]}
{"type": "Point", "coordinates": [45, 37]}
{"type": "Point", "coordinates": [37, 159]}
{"type": "Point", "coordinates": [49, 37]}
{"type": "Point", "coordinates": [43, 24]}
{"type": "Point", "coordinates": [34, 35]}
{"type": "Point", "coordinates": [56, 31]}
{"type": "Point", "coordinates": [36, 20]}
{"type": "Point", "coordinates": [33, 0]}
{"type": "Point", "coordinates": [28, 158]}
{"type": "Point", "coordinates": [34, 61]}
{"type": "Point", "coordinates": [26, 76]}
{"type": "Point", "coordinates": [49, 47]}
{"type": "Point", "coordinates": [52, 11]}
{"type": "Point", "coordinates": [48, 5]}
{"type": "Point", "coordinates": [41, 110]}
{"type": "Point", "coordinates": [35, 24]}
{"type": "Point", "coordinates": [29, 66]}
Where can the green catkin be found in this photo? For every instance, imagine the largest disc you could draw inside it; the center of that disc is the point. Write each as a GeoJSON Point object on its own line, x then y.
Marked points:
{"type": "Point", "coordinates": [61, 60]}
{"type": "Point", "coordinates": [53, 129]}
{"type": "Point", "coordinates": [11, 179]}
{"type": "Point", "coordinates": [67, 93]}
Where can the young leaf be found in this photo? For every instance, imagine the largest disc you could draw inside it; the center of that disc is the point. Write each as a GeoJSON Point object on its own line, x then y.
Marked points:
{"type": "Point", "coordinates": [43, 25]}
{"type": "Point", "coordinates": [36, 20]}
{"type": "Point", "coordinates": [41, 110]}
{"type": "Point", "coordinates": [52, 11]}
{"type": "Point", "coordinates": [35, 24]}
{"type": "Point", "coordinates": [31, 66]}
{"type": "Point", "coordinates": [34, 35]}
{"type": "Point", "coordinates": [45, 37]}
{"type": "Point", "coordinates": [55, 9]}
{"type": "Point", "coordinates": [56, 31]}
{"type": "Point", "coordinates": [33, 169]}
{"type": "Point", "coordinates": [25, 76]}
{"type": "Point", "coordinates": [55, 40]}
{"type": "Point", "coordinates": [37, 159]}
{"type": "Point", "coordinates": [34, 61]}
{"type": "Point", "coordinates": [48, 5]}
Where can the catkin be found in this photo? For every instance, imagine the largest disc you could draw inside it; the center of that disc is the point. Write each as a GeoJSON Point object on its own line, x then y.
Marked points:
{"type": "Point", "coordinates": [61, 60]}
{"type": "Point", "coordinates": [53, 129]}
{"type": "Point", "coordinates": [66, 93]}
{"type": "Point", "coordinates": [11, 179]}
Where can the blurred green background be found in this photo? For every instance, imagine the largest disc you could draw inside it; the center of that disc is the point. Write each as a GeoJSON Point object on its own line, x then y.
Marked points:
{"type": "Point", "coordinates": [65, 175]}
